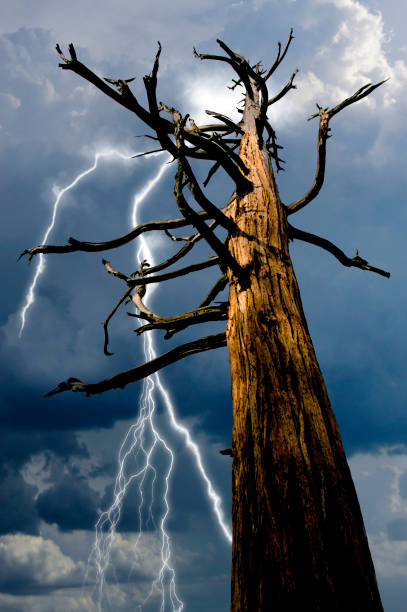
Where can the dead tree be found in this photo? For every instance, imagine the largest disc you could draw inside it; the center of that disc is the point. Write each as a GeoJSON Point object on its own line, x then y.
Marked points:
{"type": "Point", "coordinates": [298, 536]}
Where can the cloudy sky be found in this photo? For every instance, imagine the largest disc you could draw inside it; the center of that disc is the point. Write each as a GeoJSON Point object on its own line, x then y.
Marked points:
{"type": "Point", "coordinates": [60, 455]}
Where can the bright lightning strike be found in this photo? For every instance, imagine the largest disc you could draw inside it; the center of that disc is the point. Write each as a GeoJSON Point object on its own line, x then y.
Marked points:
{"type": "Point", "coordinates": [134, 446]}
{"type": "Point", "coordinates": [142, 439]}
{"type": "Point", "coordinates": [30, 297]}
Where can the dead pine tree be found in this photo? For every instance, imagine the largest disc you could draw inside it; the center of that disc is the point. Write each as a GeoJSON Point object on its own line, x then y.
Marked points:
{"type": "Point", "coordinates": [298, 536]}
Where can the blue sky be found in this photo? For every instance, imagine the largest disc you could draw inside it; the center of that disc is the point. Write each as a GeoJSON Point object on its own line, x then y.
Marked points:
{"type": "Point", "coordinates": [60, 454]}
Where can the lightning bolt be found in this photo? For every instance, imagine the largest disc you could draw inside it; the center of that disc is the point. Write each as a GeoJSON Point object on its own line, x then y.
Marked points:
{"type": "Point", "coordinates": [30, 296]}
{"type": "Point", "coordinates": [142, 443]}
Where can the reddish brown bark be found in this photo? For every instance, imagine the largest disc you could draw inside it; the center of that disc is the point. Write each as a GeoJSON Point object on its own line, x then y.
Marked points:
{"type": "Point", "coordinates": [298, 535]}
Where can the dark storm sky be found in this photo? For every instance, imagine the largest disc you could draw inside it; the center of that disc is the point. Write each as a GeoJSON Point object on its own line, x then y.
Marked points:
{"type": "Point", "coordinates": [59, 455]}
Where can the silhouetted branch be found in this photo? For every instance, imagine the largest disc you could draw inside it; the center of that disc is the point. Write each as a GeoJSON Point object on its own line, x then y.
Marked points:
{"type": "Point", "coordinates": [119, 381]}
{"type": "Point", "coordinates": [216, 289]}
{"type": "Point", "coordinates": [285, 89]}
{"type": "Point", "coordinates": [213, 211]}
{"type": "Point", "coordinates": [74, 245]}
{"type": "Point", "coordinates": [217, 245]}
{"type": "Point", "coordinates": [148, 280]}
{"type": "Point", "coordinates": [356, 262]}
{"type": "Point", "coordinates": [182, 321]}
{"type": "Point", "coordinates": [179, 254]}
{"type": "Point", "coordinates": [280, 56]}
{"type": "Point", "coordinates": [106, 322]}
{"type": "Point", "coordinates": [122, 96]}
{"type": "Point", "coordinates": [228, 122]}
{"type": "Point", "coordinates": [325, 115]}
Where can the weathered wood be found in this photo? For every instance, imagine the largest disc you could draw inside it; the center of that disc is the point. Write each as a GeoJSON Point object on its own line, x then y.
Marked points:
{"type": "Point", "coordinates": [298, 535]}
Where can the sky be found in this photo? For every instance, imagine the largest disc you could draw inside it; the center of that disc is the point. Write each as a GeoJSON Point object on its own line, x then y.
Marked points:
{"type": "Point", "coordinates": [60, 455]}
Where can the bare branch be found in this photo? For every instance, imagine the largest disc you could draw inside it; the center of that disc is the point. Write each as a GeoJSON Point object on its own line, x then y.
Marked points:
{"type": "Point", "coordinates": [285, 89]}
{"type": "Point", "coordinates": [148, 280]}
{"type": "Point", "coordinates": [114, 272]}
{"type": "Point", "coordinates": [211, 149]}
{"type": "Point", "coordinates": [179, 238]}
{"type": "Point", "coordinates": [325, 115]}
{"type": "Point", "coordinates": [356, 97]}
{"type": "Point", "coordinates": [272, 146]}
{"type": "Point", "coordinates": [212, 210]}
{"type": "Point", "coordinates": [123, 96]}
{"type": "Point", "coordinates": [106, 322]}
{"type": "Point", "coordinates": [233, 61]}
{"type": "Point", "coordinates": [280, 56]}
{"type": "Point", "coordinates": [216, 289]}
{"type": "Point", "coordinates": [74, 245]}
{"type": "Point", "coordinates": [147, 153]}
{"type": "Point", "coordinates": [356, 262]}
{"type": "Point", "coordinates": [228, 122]}
{"type": "Point", "coordinates": [119, 381]}
{"type": "Point", "coordinates": [179, 322]}
{"type": "Point", "coordinates": [220, 249]}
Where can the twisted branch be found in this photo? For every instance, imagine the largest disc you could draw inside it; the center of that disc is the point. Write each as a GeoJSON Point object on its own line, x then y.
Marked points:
{"type": "Point", "coordinates": [355, 262]}
{"type": "Point", "coordinates": [119, 381]}
{"type": "Point", "coordinates": [74, 245]}
{"type": "Point", "coordinates": [325, 115]}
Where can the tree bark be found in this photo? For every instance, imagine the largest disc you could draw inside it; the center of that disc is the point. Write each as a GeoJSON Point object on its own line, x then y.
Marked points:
{"type": "Point", "coordinates": [298, 536]}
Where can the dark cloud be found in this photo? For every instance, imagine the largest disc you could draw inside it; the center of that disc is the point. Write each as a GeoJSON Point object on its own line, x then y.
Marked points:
{"type": "Point", "coordinates": [19, 446]}
{"type": "Point", "coordinates": [17, 506]}
{"type": "Point", "coordinates": [70, 504]}
{"type": "Point", "coordinates": [51, 124]}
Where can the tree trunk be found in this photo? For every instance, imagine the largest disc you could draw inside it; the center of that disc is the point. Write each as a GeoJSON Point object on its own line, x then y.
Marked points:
{"type": "Point", "coordinates": [298, 535]}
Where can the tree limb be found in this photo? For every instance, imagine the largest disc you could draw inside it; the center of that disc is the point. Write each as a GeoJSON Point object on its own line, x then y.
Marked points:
{"type": "Point", "coordinates": [148, 280]}
{"type": "Point", "coordinates": [325, 115]}
{"type": "Point", "coordinates": [74, 245]}
{"type": "Point", "coordinates": [119, 381]}
{"type": "Point", "coordinates": [123, 96]}
{"type": "Point", "coordinates": [106, 322]}
{"type": "Point", "coordinates": [356, 262]}
{"type": "Point", "coordinates": [181, 321]}
{"type": "Point", "coordinates": [280, 56]}
{"type": "Point", "coordinates": [217, 245]}
{"type": "Point", "coordinates": [216, 289]}
{"type": "Point", "coordinates": [184, 250]}
{"type": "Point", "coordinates": [285, 89]}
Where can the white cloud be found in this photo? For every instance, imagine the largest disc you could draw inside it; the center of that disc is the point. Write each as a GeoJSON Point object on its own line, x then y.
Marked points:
{"type": "Point", "coordinates": [112, 30]}
{"type": "Point", "coordinates": [357, 51]}
{"type": "Point", "coordinates": [377, 479]}
{"type": "Point", "coordinates": [208, 90]}
{"type": "Point", "coordinates": [31, 560]}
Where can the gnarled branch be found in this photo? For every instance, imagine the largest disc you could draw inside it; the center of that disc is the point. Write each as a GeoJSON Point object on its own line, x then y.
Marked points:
{"type": "Point", "coordinates": [74, 245]}
{"type": "Point", "coordinates": [106, 322]}
{"type": "Point", "coordinates": [325, 114]}
{"type": "Point", "coordinates": [119, 381]}
{"type": "Point", "coordinates": [148, 280]}
{"type": "Point", "coordinates": [216, 289]}
{"type": "Point", "coordinates": [181, 321]}
{"type": "Point", "coordinates": [225, 259]}
{"type": "Point", "coordinates": [280, 56]}
{"type": "Point", "coordinates": [356, 262]}
{"type": "Point", "coordinates": [285, 89]}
